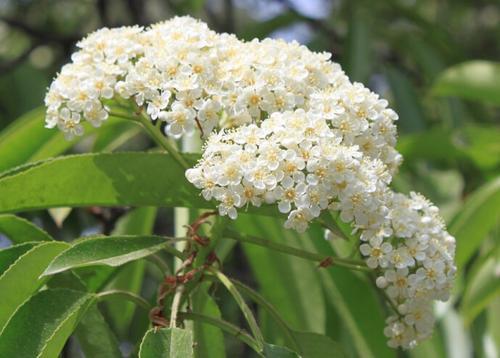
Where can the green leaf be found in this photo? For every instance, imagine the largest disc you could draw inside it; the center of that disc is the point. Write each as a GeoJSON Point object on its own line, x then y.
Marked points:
{"type": "Point", "coordinates": [472, 80]}
{"type": "Point", "coordinates": [26, 139]}
{"type": "Point", "coordinates": [111, 179]}
{"type": "Point", "coordinates": [23, 138]}
{"type": "Point", "coordinates": [482, 287]}
{"type": "Point", "coordinates": [273, 351]}
{"type": "Point", "coordinates": [41, 326]}
{"type": "Point", "coordinates": [281, 277]}
{"type": "Point", "coordinates": [479, 214]}
{"type": "Point", "coordinates": [9, 255]}
{"type": "Point", "coordinates": [432, 347]}
{"type": "Point", "coordinates": [95, 337]}
{"type": "Point", "coordinates": [315, 345]}
{"type": "Point", "coordinates": [22, 278]}
{"type": "Point", "coordinates": [481, 145]}
{"type": "Point", "coordinates": [358, 306]}
{"type": "Point", "coordinates": [359, 52]}
{"type": "Point", "coordinates": [20, 230]}
{"type": "Point", "coordinates": [106, 250]}
{"type": "Point", "coordinates": [167, 343]}
{"type": "Point", "coordinates": [209, 340]}
{"type": "Point", "coordinates": [434, 144]}
{"type": "Point", "coordinates": [493, 322]}
{"type": "Point", "coordinates": [130, 277]}
{"type": "Point", "coordinates": [112, 137]}
{"type": "Point", "coordinates": [411, 115]}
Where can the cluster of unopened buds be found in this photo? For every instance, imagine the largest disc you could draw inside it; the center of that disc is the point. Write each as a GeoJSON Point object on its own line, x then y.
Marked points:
{"type": "Point", "coordinates": [285, 127]}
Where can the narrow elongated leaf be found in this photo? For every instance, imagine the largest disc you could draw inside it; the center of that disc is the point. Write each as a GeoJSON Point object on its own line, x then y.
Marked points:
{"type": "Point", "coordinates": [209, 340]}
{"type": "Point", "coordinates": [493, 322]}
{"type": "Point", "coordinates": [95, 336]}
{"type": "Point", "coordinates": [111, 137]}
{"type": "Point", "coordinates": [167, 343]}
{"type": "Point", "coordinates": [359, 54]}
{"type": "Point", "coordinates": [473, 80]}
{"type": "Point", "coordinates": [483, 286]}
{"type": "Point", "coordinates": [407, 105]}
{"type": "Point", "coordinates": [20, 230]}
{"type": "Point", "coordinates": [477, 217]}
{"type": "Point", "coordinates": [41, 326]}
{"type": "Point", "coordinates": [315, 345]}
{"type": "Point", "coordinates": [130, 277]}
{"type": "Point", "coordinates": [281, 277]}
{"type": "Point", "coordinates": [106, 250]}
{"type": "Point", "coordinates": [9, 255]}
{"type": "Point", "coordinates": [273, 351]}
{"type": "Point", "coordinates": [22, 278]}
{"type": "Point", "coordinates": [355, 300]}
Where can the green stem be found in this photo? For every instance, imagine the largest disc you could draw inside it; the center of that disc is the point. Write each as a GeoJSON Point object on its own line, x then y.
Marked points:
{"type": "Point", "coordinates": [122, 116]}
{"type": "Point", "coordinates": [312, 256]}
{"type": "Point", "coordinates": [132, 297]}
{"type": "Point", "coordinates": [161, 140]}
{"type": "Point", "coordinates": [273, 312]}
{"type": "Point", "coordinates": [225, 326]}
{"type": "Point", "coordinates": [243, 306]}
{"type": "Point", "coordinates": [175, 305]}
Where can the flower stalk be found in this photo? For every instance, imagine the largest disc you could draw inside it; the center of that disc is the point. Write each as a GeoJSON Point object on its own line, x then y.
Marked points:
{"type": "Point", "coordinates": [322, 260]}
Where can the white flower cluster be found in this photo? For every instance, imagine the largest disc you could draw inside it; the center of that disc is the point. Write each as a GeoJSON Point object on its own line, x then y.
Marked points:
{"type": "Point", "coordinates": [298, 161]}
{"type": "Point", "coordinates": [192, 78]}
{"type": "Point", "coordinates": [295, 133]}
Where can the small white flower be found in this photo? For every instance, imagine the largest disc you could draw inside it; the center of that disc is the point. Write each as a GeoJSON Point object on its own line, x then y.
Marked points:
{"type": "Point", "coordinates": [377, 252]}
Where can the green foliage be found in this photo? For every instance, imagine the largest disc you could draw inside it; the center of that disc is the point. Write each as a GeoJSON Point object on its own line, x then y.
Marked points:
{"type": "Point", "coordinates": [103, 250]}
{"type": "Point", "coordinates": [168, 343]}
{"type": "Point", "coordinates": [140, 179]}
{"type": "Point", "coordinates": [273, 351]}
{"type": "Point", "coordinates": [480, 213]}
{"type": "Point", "coordinates": [48, 319]}
{"type": "Point", "coordinates": [102, 290]}
{"type": "Point", "coordinates": [20, 230]}
{"type": "Point", "coordinates": [95, 335]}
{"type": "Point", "coordinates": [473, 80]}
{"type": "Point", "coordinates": [22, 279]}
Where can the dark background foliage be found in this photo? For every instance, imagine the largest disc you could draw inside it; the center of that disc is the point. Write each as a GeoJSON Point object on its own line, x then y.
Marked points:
{"type": "Point", "coordinates": [398, 48]}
